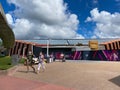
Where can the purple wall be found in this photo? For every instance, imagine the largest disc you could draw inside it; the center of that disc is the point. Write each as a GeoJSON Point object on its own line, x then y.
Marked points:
{"type": "Point", "coordinates": [104, 55]}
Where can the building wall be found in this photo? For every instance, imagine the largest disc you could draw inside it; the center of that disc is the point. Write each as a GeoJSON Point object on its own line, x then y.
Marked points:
{"type": "Point", "coordinates": [112, 45]}
{"type": "Point", "coordinates": [112, 52]}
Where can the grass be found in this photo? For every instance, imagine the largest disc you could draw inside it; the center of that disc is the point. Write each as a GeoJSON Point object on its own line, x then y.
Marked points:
{"type": "Point", "coordinates": [5, 62]}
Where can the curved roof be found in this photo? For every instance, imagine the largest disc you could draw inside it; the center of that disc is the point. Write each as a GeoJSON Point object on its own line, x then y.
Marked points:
{"type": "Point", "coordinates": [6, 33]}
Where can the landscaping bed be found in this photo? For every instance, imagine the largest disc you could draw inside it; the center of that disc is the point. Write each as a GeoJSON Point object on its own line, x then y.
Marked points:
{"type": "Point", "coordinates": [5, 62]}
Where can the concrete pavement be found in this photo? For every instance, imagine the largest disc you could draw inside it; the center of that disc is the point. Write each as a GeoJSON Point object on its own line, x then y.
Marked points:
{"type": "Point", "coordinates": [81, 75]}
{"type": "Point", "coordinates": [12, 83]}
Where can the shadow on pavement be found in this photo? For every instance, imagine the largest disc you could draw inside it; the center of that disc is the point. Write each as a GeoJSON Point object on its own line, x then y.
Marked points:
{"type": "Point", "coordinates": [26, 71]}
{"type": "Point", "coordinates": [116, 80]}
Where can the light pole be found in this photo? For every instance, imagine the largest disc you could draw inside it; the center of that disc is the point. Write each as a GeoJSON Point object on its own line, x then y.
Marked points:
{"type": "Point", "coordinates": [48, 48]}
{"type": "Point", "coordinates": [47, 45]}
{"type": "Point", "coordinates": [24, 52]}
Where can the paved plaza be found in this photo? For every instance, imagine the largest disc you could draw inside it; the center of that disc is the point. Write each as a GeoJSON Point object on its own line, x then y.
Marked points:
{"type": "Point", "coordinates": [80, 75]}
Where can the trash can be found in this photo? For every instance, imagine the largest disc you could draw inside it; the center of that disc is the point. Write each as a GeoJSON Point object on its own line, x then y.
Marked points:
{"type": "Point", "coordinates": [15, 59]}
{"type": "Point", "coordinates": [48, 59]}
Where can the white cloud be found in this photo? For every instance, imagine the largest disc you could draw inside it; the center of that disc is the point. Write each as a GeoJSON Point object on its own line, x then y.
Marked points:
{"type": "Point", "coordinates": [107, 24]}
{"type": "Point", "coordinates": [78, 36]}
{"type": "Point", "coordinates": [9, 18]}
{"type": "Point", "coordinates": [43, 18]}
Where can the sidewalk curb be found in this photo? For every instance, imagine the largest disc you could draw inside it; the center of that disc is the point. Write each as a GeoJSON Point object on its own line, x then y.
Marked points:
{"type": "Point", "coordinates": [9, 71]}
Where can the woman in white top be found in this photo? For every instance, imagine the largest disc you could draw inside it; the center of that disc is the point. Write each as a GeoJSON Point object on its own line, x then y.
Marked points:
{"type": "Point", "coordinates": [41, 63]}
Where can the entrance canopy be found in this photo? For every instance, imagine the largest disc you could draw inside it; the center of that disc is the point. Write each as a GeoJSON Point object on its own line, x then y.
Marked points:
{"type": "Point", "coordinates": [6, 33]}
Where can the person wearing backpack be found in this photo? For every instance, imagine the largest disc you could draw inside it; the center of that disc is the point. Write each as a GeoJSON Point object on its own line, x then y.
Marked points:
{"type": "Point", "coordinates": [30, 61]}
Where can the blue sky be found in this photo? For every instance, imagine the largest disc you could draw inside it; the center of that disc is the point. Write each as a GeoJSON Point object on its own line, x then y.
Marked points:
{"type": "Point", "coordinates": [31, 19]}
{"type": "Point", "coordinates": [83, 7]}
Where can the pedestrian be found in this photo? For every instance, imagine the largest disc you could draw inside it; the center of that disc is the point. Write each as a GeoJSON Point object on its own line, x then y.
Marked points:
{"type": "Point", "coordinates": [29, 61]}
{"type": "Point", "coordinates": [41, 63]}
{"type": "Point", "coordinates": [51, 57]}
{"type": "Point", "coordinates": [62, 57]}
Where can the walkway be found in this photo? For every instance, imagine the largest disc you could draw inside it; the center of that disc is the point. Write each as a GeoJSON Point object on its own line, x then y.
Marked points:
{"type": "Point", "coordinates": [82, 75]}
{"type": "Point", "coordinates": [12, 83]}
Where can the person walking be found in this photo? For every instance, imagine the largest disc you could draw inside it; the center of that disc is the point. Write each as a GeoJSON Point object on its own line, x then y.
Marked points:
{"type": "Point", "coordinates": [62, 57]}
{"type": "Point", "coordinates": [51, 57]}
{"type": "Point", "coordinates": [41, 63]}
{"type": "Point", "coordinates": [29, 61]}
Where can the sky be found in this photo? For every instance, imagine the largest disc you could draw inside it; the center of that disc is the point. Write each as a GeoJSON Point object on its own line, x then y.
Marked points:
{"type": "Point", "coordinates": [63, 19]}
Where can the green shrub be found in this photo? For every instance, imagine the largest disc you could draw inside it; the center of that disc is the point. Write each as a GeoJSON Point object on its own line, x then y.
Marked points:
{"type": "Point", "coordinates": [5, 62]}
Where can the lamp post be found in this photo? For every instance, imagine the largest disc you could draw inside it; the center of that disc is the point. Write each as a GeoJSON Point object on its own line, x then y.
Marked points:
{"type": "Point", "coordinates": [47, 44]}
{"type": "Point", "coordinates": [48, 48]}
{"type": "Point", "coordinates": [24, 52]}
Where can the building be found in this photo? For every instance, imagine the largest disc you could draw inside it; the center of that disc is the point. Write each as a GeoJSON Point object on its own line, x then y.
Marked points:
{"type": "Point", "coordinates": [75, 49]}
